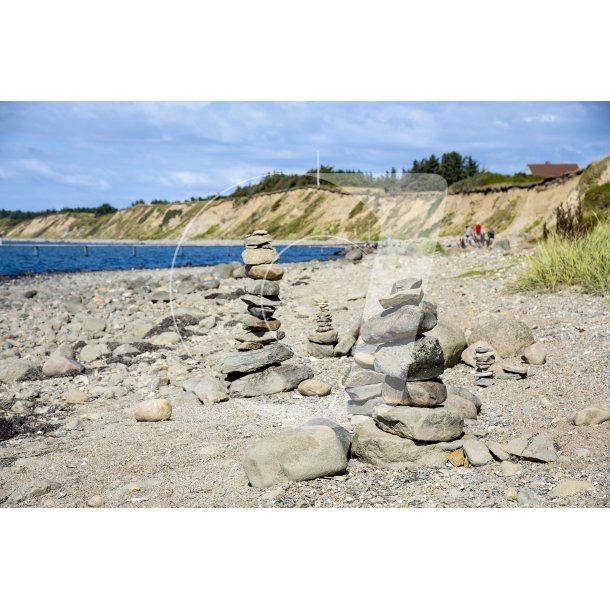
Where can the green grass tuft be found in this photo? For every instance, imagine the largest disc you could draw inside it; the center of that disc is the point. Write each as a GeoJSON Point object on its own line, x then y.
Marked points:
{"type": "Point", "coordinates": [430, 247]}
{"type": "Point", "coordinates": [557, 262]}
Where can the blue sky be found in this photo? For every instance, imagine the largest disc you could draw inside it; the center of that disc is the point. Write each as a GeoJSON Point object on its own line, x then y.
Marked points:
{"type": "Point", "coordinates": [82, 154]}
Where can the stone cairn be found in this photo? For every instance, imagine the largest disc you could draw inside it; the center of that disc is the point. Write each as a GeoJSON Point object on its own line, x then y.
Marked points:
{"type": "Point", "coordinates": [256, 368]}
{"type": "Point", "coordinates": [322, 342]}
{"type": "Point", "coordinates": [484, 358]}
{"type": "Point", "coordinates": [399, 384]}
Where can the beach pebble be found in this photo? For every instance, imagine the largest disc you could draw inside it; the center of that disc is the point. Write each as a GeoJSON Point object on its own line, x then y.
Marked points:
{"type": "Point", "coordinates": [314, 387]}
{"type": "Point", "coordinates": [95, 502]}
{"type": "Point", "coordinates": [155, 409]}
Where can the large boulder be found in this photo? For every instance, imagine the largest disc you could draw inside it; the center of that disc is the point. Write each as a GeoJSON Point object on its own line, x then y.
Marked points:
{"type": "Point", "coordinates": [295, 455]}
{"type": "Point", "coordinates": [247, 362]}
{"type": "Point", "coordinates": [345, 438]}
{"type": "Point", "coordinates": [508, 336]}
{"type": "Point", "coordinates": [374, 446]}
{"type": "Point", "coordinates": [452, 340]}
{"type": "Point", "coordinates": [16, 369]}
{"type": "Point", "coordinates": [414, 361]}
{"type": "Point", "coordinates": [271, 380]}
{"type": "Point", "coordinates": [404, 323]}
{"type": "Point", "coordinates": [420, 424]}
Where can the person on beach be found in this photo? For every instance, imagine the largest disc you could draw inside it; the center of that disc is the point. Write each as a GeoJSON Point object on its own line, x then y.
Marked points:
{"type": "Point", "coordinates": [490, 237]}
{"type": "Point", "coordinates": [478, 237]}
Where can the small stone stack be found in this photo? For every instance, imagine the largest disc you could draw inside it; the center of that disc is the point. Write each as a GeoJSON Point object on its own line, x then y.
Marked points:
{"type": "Point", "coordinates": [321, 342]}
{"type": "Point", "coordinates": [484, 357]}
{"type": "Point", "coordinates": [409, 401]}
{"type": "Point", "coordinates": [256, 368]}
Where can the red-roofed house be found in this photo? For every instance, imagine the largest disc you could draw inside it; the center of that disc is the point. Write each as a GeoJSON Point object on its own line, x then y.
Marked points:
{"type": "Point", "coordinates": [550, 170]}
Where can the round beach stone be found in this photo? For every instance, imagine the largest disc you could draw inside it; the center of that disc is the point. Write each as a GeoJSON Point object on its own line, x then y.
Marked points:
{"type": "Point", "coordinates": [452, 340]}
{"type": "Point", "coordinates": [155, 409]}
{"type": "Point", "coordinates": [59, 366]}
{"type": "Point", "coordinates": [534, 354]}
{"type": "Point", "coordinates": [319, 350]}
{"type": "Point", "coordinates": [328, 337]}
{"type": "Point", "coordinates": [75, 397]}
{"type": "Point", "coordinates": [265, 272]}
{"type": "Point", "coordinates": [95, 502]}
{"type": "Point", "coordinates": [314, 387]}
{"type": "Point", "coordinates": [507, 335]}
{"type": "Point", "coordinates": [259, 256]}
{"type": "Point", "coordinates": [414, 393]}
{"type": "Point", "coordinates": [365, 360]}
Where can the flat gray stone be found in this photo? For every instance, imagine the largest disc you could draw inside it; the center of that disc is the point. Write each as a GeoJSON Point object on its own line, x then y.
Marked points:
{"type": "Point", "coordinates": [420, 424]}
{"type": "Point", "coordinates": [414, 393]}
{"type": "Point", "coordinates": [208, 389]}
{"type": "Point", "coordinates": [295, 455]}
{"type": "Point", "coordinates": [328, 337]}
{"type": "Point", "coordinates": [537, 448]}
{"type": "Point", "coordinates": [15, 369]}
{"type": "Point", "coordinates": [262, 287]}
{"type": "Point", "coordinates": [591, 416]}
{"type": "Point", "coordinates": [407, 283]}
{"type": "Point", "coordinates": [403, 297]}
{"type": "Point", "coordinates": [318, 350]}
{"type": "Point", "coordinates": [414, 361]}
{"type": "Point", "coordinates": [404, 324]}
{"type": "Point", "coordinates": [364, 393]}
{"type": "Point", "coordinates": [258, 359]}
{"type": "Point", "coordinates": [357, 376]}
{"type": "Point", "coordinates": [477, 452]}
{"type": "Point", "coordinates": [271, 380]}
{"type": "Point", "coordinates": [33, 489]}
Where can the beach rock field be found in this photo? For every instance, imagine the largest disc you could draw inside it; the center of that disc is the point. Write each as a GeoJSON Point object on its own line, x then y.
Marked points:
{"type": "Point", "coordinates": [112, 392]}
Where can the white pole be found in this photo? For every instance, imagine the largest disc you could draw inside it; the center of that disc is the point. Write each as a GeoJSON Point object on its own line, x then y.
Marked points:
{"type": "Point", "coordinates": [318, 168]}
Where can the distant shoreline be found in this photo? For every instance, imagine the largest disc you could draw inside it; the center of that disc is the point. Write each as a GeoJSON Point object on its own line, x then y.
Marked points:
{"type": "Point", "coordinates": [173, 242]}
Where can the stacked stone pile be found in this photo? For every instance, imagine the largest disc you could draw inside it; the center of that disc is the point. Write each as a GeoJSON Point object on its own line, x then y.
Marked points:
{"type": "Point", "coordinates": [408, 400]}
{"type": "Point", "coordinates": [256, 368]}
{"type": "Point", "coordinates": [322, 342]}
{"type": "Point", "coordinates": [484, 357]}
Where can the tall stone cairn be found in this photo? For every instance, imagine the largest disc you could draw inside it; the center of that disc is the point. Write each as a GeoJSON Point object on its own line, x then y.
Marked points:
{"type": "Point", "coordinates": [255, 368]}
{"type": "Point", "coordinates": [322, 341]}
{"type": "Point", "coordinates": [402, 389]}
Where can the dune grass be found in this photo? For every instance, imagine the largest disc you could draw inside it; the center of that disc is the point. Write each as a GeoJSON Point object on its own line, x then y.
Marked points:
{"type": "Point", "coordinates": [557, 262]}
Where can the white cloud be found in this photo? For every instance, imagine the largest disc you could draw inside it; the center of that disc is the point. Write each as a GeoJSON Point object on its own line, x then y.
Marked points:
{"type": "Point", "coordinates": [542, 118]}
{"type": "Point", "coordinates": [38, 168]}
{"type": "Point", "coordinates": [185, 178]}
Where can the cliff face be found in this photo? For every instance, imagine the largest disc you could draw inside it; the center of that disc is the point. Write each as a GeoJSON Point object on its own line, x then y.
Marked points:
{"type": "Point", "coordinates": [319, 213]}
